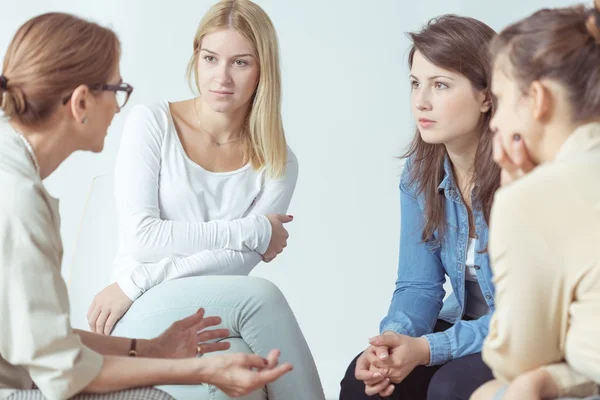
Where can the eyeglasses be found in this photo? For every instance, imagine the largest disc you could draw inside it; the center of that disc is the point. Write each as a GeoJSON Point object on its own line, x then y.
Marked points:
{"type": "Point", "coordinates": [122, 92]}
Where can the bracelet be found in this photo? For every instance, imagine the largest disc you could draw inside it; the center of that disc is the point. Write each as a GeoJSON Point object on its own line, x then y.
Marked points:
{"type": "Point", "coordinates": [132, 351]}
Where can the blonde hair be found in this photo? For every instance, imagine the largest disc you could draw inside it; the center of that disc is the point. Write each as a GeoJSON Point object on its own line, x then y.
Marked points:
{"type": "Point", "coordinates": [49, 56]}
{"type": "Point", "coordinates": [265, 145]}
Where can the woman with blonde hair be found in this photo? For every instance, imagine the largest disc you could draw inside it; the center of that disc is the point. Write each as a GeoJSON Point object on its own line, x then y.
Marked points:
{"type": "Point", "coordinates": [60, 87]}
{"type": "Point", "coordinates": [202, 188]}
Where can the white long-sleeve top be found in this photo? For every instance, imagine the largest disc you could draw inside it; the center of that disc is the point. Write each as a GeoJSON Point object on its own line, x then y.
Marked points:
{"type": "Point", "coordinates": [177, 219]}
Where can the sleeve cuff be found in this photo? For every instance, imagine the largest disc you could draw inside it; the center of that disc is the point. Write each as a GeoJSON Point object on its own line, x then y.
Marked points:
{"type": "Point", "coordinates": [439, 345]}
{"type": "Point", "coordinates": [68, 383]}
{"type": "Point", "coordinates": [88, 368]}
{"type": "Point", "coordinates": [266, 231]}
{"type": "Point", "coordinates": [129, 288]}
{"type": "Point", "coordinates": [391, 326]}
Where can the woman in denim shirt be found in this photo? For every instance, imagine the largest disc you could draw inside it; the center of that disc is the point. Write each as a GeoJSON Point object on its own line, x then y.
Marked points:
{"type": "Point", "coordinates": [430, 349]}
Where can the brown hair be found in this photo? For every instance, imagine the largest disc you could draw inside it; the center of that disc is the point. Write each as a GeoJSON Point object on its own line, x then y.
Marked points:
{"type": "Point", "coordinates": [49, 56]}
{"type": "Point", "coordinates": [457, 44]}
{"type": "Point", "coordinates": [559, 44]}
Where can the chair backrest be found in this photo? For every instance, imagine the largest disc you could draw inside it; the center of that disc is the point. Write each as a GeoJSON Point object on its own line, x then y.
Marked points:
{"type": "Point", "coordinates": [95, 249]}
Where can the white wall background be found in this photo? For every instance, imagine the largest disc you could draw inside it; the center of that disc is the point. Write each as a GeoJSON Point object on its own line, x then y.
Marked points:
{"type": "Point", "coordinates": [346, 114]}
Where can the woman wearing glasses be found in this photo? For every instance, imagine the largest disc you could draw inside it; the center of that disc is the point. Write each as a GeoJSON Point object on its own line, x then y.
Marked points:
{"type": "Point", "coordinates": [202, 188]}
{"type": "Point", "coordinates": [122, 92]}
{"type": "Point", "coordinates": [56, 101]}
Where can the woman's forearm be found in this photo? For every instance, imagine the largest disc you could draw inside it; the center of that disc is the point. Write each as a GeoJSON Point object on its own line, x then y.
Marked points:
{"type": "Point", "coordinates": [117, 346]}
{"type": "Point", "coordinates": [120, 373]}
{"type": "Point", "coordinates": [209, 262]}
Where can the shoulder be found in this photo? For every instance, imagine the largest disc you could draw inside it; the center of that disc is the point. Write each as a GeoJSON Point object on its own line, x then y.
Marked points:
{"type": "Point", "coordinates": [291, 158]}
{"type": "Point", "coordinates": [291, 166]}
{"type": "Point", "coordinates": [530, 204]}
{"type": "Point", "coordinates": [18, 178]}
{"type": "Point", "coordinates": [290, 173]}
{"type": "Point", "coordinates": [14, 160]}
{"type": "Point", "coordinates": [23, 204]}
{"type": "Point", "coordinates": [146, 126]}
{"type": "Point", "coordinates": [408, 183]}
{"type": "Point", "coordinates": [156, 115]}
{"type": "Point", "coordinates": [529, 193]}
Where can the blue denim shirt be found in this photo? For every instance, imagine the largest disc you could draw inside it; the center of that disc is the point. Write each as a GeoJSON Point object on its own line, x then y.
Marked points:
{"type": "Point", "coordinates": [422, 267]}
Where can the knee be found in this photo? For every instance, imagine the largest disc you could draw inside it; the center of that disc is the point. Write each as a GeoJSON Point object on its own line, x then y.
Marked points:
{"type": "Point", "coordinates": [351, 370]}
{"type": "Point", "coordinates": [444, 384]}
{"type": "Point", "coordinates": [237, 345]}
{"type": "Point", "coordinates": [266, 292]}
{"type": "Point", "coordinates": [351, 388]}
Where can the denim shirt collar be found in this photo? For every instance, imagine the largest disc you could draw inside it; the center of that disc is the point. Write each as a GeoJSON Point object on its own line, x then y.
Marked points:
{"type": "Point", "coordinates": [448, 184]}
{"type": "Point", "coordinates": [448, 180]}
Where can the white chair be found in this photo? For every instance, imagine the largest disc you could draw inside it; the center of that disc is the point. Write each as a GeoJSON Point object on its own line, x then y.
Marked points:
{"type": "Point", "coordinates": [95, 249]}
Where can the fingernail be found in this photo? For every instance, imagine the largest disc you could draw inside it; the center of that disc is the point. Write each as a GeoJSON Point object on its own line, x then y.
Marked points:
{"type": "Point", "coordinates": [291, 216]}
{"type": "Point", "coordinates": [376, 375]}
{"type": "Point", "coordinates": [383, 356]}
{"type": "Point", "coordinates": [516, 137]}
{"type": "Point", "coordinates": [371, 340]}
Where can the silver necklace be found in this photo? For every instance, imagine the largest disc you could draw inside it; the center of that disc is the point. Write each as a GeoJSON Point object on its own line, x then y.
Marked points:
{"type": "Point", "coordinates": [30, 151]}
{"type": "Point", "coordinates": [217, 143]}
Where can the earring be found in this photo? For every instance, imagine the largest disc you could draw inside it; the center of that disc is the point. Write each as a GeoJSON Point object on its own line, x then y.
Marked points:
{"type": "Point", "coordinates": [84, 120]}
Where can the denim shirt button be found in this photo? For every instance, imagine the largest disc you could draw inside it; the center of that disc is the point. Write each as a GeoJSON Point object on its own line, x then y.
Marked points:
{"type": "Point", "coordinates": [477, 267]}
{"type": "Point", "coordinates": [488, 297]}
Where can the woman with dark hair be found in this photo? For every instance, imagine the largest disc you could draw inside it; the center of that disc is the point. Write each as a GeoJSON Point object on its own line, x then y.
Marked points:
{"type": "Point", "coordinates": [544, 335]}
{"type": "Point", "coordinates": [429, 348]}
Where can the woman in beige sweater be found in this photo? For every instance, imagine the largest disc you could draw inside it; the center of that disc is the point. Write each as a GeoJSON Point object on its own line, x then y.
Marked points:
{"type": "Point", "coordinates": [60, 88]}
{"type": "Point", "coordinates": [544, 339]}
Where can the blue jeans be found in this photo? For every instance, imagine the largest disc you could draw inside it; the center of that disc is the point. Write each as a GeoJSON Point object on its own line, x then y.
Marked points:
{"type": "Point", "coordinates": [257, 315]}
